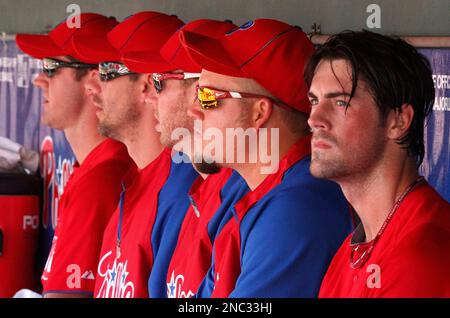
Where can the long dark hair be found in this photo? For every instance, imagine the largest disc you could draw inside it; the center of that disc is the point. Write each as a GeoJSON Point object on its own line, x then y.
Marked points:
{"type": "Point", "coordinates": [395, 72]}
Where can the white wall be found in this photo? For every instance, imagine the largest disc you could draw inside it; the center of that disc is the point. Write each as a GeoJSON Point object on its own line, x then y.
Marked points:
{"type": "Point", "coordinates": [400, 17]}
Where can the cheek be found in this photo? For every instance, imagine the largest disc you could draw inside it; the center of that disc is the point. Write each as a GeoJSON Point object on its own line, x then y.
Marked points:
{"type": "Point", "coordinates": [107, 97]}
{"type": "Point", "coordinates": [61, 91]}
{"type": "Point", "coordinates": [362, 138]}
{"type": "Point", "coordinates": [210, 120]}
{"type": "Point", "coordinates": [163, 114]}
{"type": "Point", "coordinates": [113, 94]}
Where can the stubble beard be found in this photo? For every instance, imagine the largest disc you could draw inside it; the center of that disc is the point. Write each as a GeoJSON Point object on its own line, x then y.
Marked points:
{"type": "Point", "coordinates": [126, 121]}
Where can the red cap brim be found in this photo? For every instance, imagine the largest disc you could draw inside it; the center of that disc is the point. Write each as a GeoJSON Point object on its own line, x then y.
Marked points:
{"type": "Point", "coordinates": [146, 62]}
{"type": "Point", "coordinates": [38, 46]}
{"type": "Point", "coordinates": [94, 49]}
{"type": "Point", "coordinates": [210, 54]}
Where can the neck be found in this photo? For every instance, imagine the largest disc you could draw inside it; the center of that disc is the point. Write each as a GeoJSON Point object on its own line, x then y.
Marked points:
{"type": "Point", "coordinates": [83, 138]}
{"type": "Point", "coordinates": [143, 143]}
{"type": "Point", "coordinates": [255, 173]}
{"type": "Point", "coordinates": [374, 195]}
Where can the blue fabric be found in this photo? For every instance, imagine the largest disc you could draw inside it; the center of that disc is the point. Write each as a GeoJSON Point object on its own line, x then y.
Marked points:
{"type": "Point", "coordinates": [289, 237]}
{"type": "Point", "coordinates": [233, 190]}
{"type": "Point", "coordinates": [173, 203]}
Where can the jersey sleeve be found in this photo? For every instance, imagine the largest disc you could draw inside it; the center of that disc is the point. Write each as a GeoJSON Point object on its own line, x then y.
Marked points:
{"type": "Point", "coordinates": [289, 246]}
{"type": "Point", "coordinates": [87, 210]}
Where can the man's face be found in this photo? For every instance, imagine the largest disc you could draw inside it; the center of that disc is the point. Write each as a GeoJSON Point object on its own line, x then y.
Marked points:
{"type": "Point", "coordinates": [347, 142]}
{"type": "Point", "coordinates": [230, 113]}
{"type": "Point", "coordinates": [172, 107]}
{"type": "Point", "coordinates": [63, 97]}
{"type": "Point", "coordinates": [120, 108]}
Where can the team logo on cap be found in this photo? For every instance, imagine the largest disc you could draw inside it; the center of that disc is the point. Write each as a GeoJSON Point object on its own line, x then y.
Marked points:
{"type": "Point", "coordinates": [247, 25]}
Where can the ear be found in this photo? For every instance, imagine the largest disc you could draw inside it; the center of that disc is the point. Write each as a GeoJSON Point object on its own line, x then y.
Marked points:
{"type": "Point", "coordinates": [399, 121]}
{"type": "Point", "coordinates": [92, 82]}
{"type": "Point", "coordinates": [262, 110]}
{"type": "Point", "coordinates": [146, 89]}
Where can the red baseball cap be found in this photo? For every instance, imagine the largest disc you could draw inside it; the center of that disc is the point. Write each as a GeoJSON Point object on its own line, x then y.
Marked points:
{"type": "Point", "coordinates": [59, 40]}
{"type": "Point", "coordinates": [271, 52]}
{"type": "Point", "coordinates": [143, 31]}
{"type": "Point", "coordinates": [172, 53]}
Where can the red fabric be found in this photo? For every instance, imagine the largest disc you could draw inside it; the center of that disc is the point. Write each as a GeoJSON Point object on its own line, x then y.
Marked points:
{"type": "Point", "coordinates": [271, 52]}
{"type": "Point", "coordinates": [126, 276]}
{"type": "Point", "coordinates": [175, 56]}
{"type": "Point", "coordinates": [143, 31]}
{"type": "Point", "coordinates": [19, 234]}
{"type": "Point", "coordinates": [86, 206]}
{"type": "Point", "coordinates": [410, 259]}
{"type": "Point", "coordinates": [192, 256]}
{"type": "Point", "coordinates": [59, 40]}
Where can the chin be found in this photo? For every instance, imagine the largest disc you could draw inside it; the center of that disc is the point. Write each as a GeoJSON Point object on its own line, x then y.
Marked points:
{"type": "Point", "coordinates": [317, 170]}
{"type": "Point", "coordinates": [208, 168]}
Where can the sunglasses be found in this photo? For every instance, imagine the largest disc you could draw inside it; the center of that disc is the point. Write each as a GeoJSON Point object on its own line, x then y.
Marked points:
{"type": "Point", "coordinates": [111, 70]}
{"type": "Point", "coordinates": [209, 96]}
{"type": "Point", "coordinates": [50, 66]}
{"type": "Point", "coordinates": [158, 78]}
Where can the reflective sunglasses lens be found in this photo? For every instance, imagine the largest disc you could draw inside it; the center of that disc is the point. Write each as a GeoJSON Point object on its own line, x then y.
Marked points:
{"type": "Point", "coordinates": [111, 70]}
{"type": "Point", "coordinates": [108, 71]}
{"type": "Point", "coordinates": [103, 72]}
{"type": "Point", "coordinates": [49, 73]}
{"type": "Point", "coordinates": [158, 85]}
{"type": "Point", "coordinates": [49, 66]}
{"type": "Point", "coordinates": [209, 104]}
{"type": "Point", "coordinates": [207, 98]}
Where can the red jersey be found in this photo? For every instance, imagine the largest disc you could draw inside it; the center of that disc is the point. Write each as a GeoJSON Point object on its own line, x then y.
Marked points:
{"type": "Point", "coordinates": [123, 271]}
{"type": "Point", "coordinates": [88, 201]}
{"type": "Point", "coordinates": [411, 257]}
{"type": "Point", "coordinates": [210, 199]}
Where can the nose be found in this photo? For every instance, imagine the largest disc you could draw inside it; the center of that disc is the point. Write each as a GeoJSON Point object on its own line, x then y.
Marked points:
{"type": "Point", "coordinates": [319, 117]}
{"type": "Point", "coordinates": [195, 111]}
{"type": "Point", "coordinates": [41, 80]}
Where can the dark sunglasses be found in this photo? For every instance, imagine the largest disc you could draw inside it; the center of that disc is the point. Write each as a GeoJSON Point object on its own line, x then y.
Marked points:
{"type": "Point", "coordinates": [111, 70]}
{"type": "Point", "coordinates": [158, 78]}
{"type": "Point", "coordinates": [50, 66]}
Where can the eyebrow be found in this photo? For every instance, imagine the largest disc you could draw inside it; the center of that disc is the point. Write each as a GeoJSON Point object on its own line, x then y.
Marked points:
{"type": "Point", "coordinates": [330, 95]}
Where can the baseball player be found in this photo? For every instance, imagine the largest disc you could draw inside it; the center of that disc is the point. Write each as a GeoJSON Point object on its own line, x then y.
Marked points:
{"type": "Point", "coordinates": [368, 124]}
{"type": "Point", "coordinates": [93, 190]}
{"type": "Point", "coordinates": [142, 233]}
{"type": "Point", "coordinates": [212, 193]}
{"type": "Point", "coordinates": [278, 240]}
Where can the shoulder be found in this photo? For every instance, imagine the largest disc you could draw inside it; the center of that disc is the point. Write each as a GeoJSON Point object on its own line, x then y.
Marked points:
{"type": "Point", "coordinates": [427, 243]}
{"type": "Point", "coordinates": [299, 182]}
{"type": "Point", "coordinates": [308, 200]}
{"type": "Point", "coordinates": [295, 216]}
{"type": "Point", "coordinates": [418, 265]}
